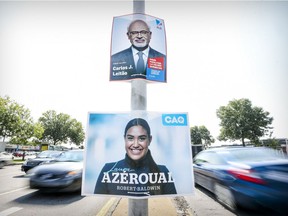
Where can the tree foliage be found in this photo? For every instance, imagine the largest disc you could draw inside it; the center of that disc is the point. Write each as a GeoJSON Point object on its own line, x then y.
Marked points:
{"type": "Point", "coordinates": [240, 121]}
{"type": "Point", "coordinates": [38, 133]}
{"type": "Point", "coordinates": [60, 128]}
{"type": "Point", "coordinates": [16, 122]}
{"type": "Point", "coordinates": [201, 135]}
{"type": "Point", "coordinates": [271, 143]}
{"type": "Point", "coordinates": [17, 125]}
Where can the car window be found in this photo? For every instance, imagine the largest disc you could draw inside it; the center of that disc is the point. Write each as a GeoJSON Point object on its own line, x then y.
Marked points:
{"type": "Point", "coordinates": [209, 157]}
{"type": "Point", "coordinates": [46, 154]}
{"type": "Point", "coordinates": [257, 154]}
{"type": "Point", "coordinates": [71, 156]}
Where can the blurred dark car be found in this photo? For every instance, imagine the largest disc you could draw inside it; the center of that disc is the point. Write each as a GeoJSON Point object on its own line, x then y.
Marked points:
{"type": "Point", "coordinates": [64, 174]}
{"type": "Point", "coordinates": [44, 156]}
{"type": "Point", "coordinates": [249, 177]}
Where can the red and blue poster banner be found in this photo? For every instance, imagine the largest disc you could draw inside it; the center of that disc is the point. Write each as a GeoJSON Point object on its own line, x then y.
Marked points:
{"type": "Point", "coordinates": [138, 154]}
{"type": "Point", "coordinates": [138, 48]}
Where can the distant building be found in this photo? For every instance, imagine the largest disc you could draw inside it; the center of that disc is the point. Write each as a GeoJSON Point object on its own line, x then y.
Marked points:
{"type": "Point", "coordinates": [196, 149]}
{"type": "Point", "coordinates": [282, 143]}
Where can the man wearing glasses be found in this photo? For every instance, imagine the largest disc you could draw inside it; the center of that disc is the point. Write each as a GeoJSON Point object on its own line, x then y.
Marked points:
{"type": "Point", "coordinates": [139, 58]}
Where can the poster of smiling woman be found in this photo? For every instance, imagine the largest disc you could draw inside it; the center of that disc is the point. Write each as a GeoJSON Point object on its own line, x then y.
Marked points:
{"type": "Point", "coordinates": [138, 154]}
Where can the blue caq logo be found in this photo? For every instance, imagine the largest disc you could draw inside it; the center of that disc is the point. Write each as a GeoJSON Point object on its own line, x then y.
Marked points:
{"type": "Point", "coordinates": [174, 119]}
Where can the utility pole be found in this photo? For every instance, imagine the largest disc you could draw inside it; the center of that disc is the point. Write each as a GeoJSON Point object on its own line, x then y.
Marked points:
{"type": "Point", "coordinates": [138, 207]}
{"type": "Point", "coordinates": [138, 87]}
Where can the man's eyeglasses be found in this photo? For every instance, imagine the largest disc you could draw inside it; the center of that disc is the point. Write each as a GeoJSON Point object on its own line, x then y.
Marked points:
{"type": "Point", "coordinates": [136, 33]}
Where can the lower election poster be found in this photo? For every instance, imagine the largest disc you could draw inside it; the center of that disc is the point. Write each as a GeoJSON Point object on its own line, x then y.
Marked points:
{"type": "Point", "coordinates": [138, 154]}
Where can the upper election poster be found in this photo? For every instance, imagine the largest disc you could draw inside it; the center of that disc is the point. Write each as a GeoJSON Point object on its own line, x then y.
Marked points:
{"type": "Point", "coordinates": [138, 154]}
{"type": "Point", "coordinates": [138, 48]}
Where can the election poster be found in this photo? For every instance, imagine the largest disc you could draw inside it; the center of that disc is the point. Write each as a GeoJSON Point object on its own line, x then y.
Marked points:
{"type": "Point", "coordinates": [138, 48]}
{"type": "Point", "coordinates": [138, 154]}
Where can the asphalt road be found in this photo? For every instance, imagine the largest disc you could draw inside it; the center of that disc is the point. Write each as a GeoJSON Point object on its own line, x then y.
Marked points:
{"type": "Point", "coordinates": [16, 198]}
{"type": "Point", "coordinates": [203, 205]}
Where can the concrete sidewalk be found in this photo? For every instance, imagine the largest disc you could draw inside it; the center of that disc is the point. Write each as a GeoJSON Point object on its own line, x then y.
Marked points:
{"type": "Point", "coordinates": [195, 205]}
{"type": "Point", "coordinates": [167, 206]}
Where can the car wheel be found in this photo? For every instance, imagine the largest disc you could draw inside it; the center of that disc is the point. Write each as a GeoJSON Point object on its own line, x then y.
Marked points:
{"type": "Point", "coordinates": [2, 164]}
{"type": "Point", "coordinates": [225, 196]}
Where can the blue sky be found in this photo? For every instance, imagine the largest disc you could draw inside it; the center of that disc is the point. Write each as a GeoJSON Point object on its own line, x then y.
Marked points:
{"type": "Point", "coordinates": [55, 55]}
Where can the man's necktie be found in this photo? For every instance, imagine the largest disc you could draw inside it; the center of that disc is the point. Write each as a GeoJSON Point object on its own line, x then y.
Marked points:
{"type": "Point", "coordinates": [140, 63]}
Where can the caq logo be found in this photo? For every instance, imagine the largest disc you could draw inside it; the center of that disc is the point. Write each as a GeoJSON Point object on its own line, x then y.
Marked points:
{"type": "Point", "coordinates": [174, 119]}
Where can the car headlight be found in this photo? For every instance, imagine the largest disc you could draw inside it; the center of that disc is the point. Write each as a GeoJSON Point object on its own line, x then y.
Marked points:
{"type": "Point", "coordinates": [73, 173]}
{"type": "Point", "coordinates": [30, 173]}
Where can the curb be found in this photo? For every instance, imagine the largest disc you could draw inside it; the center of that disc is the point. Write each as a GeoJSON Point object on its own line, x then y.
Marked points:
{"type": "Point", "coordinates": [109, 207]}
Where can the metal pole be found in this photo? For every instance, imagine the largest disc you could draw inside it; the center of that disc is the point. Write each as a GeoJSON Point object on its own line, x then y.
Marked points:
{"type": "Point", "coordinates": [138, 207]}
{"type": "Point", "coordinates": [138, 87]}
{"type": "Point", "coordinates": [286, 146]}
{"type": "Point", "coordinates": [138, 95]}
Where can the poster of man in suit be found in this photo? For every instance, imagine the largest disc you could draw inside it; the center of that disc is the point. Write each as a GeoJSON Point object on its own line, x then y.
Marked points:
{"type": "Point", "coordinates": [138, 48]}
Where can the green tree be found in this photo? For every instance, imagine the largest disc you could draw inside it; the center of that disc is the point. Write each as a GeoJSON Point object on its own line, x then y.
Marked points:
{"type": "Point", "coordinates": [273, 143]}
{"type": "Point", "coordinates": [16, 122]}
{"type": "Point", "coordinates": [201, 135]}
{"type": "Point", "coordinates": [77, 134]}
{"type": "Point", "coordinates": [240, 121]}
{"type": "Point", "coordinates": [38, 133]}
{"type": "Point", "coordinates": [60, 128]}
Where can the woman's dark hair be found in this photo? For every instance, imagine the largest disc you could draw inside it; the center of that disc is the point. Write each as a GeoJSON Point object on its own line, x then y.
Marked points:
{"type": "Point", "coordinates": [136, 122]}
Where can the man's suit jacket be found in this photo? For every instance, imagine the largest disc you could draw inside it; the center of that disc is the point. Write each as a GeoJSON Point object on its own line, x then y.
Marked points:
{"type": "Point", "coordinates": [123, 66]}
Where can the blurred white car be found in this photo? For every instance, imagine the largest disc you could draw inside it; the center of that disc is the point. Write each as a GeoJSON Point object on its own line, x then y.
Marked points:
{"type": "Point", "coordinates": [5, 159]}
